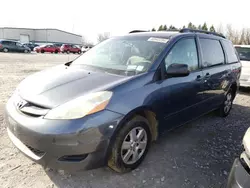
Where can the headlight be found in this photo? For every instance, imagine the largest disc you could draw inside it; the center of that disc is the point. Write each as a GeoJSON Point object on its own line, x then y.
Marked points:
{"type": "Point", "coordinates": [81, 106]}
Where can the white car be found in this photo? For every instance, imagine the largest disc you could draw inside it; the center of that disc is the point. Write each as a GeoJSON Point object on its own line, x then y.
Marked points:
{"type": "Point", "coordinates": [86, 48]}
{"type": "Point", "coordinates": [244, 54]}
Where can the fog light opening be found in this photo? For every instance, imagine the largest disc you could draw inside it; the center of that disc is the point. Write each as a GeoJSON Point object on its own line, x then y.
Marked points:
{"type": "Point", "coordinates": [73, 158]}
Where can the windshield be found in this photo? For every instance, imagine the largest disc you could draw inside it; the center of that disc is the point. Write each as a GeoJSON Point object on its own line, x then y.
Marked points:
{"type": "Point", "coordinates": [244, 53]}
{"type": "Point", "coordinates": [123, 56]}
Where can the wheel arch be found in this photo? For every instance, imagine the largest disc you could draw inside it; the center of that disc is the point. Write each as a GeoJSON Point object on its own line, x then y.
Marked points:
{"type": "Point", "coordinates": [234, 88]}
{"type": "Point", "coordinates": [145, 112]}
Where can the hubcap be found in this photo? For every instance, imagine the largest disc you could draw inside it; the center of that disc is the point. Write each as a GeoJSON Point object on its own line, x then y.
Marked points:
{"type": "Point", "coordinates": [134, 145]}
{"type": "Point", "coordinates": [5, 50]}
{"type": "Point", "coordinates": [228, 103]}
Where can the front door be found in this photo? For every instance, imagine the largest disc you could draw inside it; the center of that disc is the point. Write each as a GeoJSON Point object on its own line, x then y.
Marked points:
{"type": "Point", "coordinates": [12, 46]}
{"type": "Point", "coordinates": [183, 95]}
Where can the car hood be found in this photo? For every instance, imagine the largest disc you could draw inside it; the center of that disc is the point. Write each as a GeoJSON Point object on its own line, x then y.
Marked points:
{"type": "Point", "coordinates": [60, 84]}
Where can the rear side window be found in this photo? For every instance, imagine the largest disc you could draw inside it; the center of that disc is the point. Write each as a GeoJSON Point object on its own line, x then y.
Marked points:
{"type": "Point", "coordinates": [230, 51]}
{"type": "Point", "coordinates": [212, 53]}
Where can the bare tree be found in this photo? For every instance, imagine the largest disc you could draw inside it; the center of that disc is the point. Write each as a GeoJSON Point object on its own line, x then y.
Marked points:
{"type": "Point", "coordinates": [103, 36]}
{"type": "Point", "coordinates": [233, 34]}
{"type": "Point", "coordinates": [220, 29]}
{"type": "Point", "coordinates": [84, 41]}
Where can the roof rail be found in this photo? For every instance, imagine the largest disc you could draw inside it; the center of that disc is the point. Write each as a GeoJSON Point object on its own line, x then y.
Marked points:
{"type": "Point", "coordinates": [137, 31]}
{"type": "Point", "coordinates": [187, 30]}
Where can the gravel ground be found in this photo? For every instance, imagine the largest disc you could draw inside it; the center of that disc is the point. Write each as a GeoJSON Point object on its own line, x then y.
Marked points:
{"type": "Point", "coordinates": [199, 154]}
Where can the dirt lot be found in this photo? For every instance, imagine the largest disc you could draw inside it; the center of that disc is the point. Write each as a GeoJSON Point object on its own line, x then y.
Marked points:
{"type": "Point", "coordinates": [199, 154]}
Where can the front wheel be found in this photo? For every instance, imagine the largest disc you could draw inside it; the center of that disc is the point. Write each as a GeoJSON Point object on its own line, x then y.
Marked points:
{"type": "Point", "coordinates": [5, 50]}
{"type": "Point", "coordinates": [130, 146]}
{"type": "Point", "coordinates": [227, 104]}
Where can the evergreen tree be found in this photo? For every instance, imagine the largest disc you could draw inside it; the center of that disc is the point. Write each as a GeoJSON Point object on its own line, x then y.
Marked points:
{"type": "Point", "coordinates": [165, 28]}
{"type": "Point", "coordinates": [199, 27]}
{"type": "Point", "coordinates": [160, 28]}
{"type": "Point", "coordinates": [171, 27]}
{"type": "Point", "coordinates": [204, 27]}
{"type": "Point", "coordinates": [153, 29]}
{"type": "Point", "coordinates": [212, 29]}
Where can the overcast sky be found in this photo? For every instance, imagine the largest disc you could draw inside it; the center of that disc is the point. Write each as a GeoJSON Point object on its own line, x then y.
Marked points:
{"type": "Point", "coordinates": [90, 17]}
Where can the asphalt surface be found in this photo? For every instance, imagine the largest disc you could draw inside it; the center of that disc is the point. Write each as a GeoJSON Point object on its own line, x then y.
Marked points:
{"type": "Point", "coordinates": [198, 154]}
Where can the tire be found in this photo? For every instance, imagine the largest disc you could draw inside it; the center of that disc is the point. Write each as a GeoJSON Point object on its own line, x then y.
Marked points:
{"type": "Point", "coordinates": [5, 50]}
{"type": "Point", "coordinates": [79, 52]}
{"type": "Point", "coordinates": [26, 51]}
{"type": "Point", "coordinates": [68, 51]}
{"type": "Point", "coordinates": [227, 104]}
{"type": "Point", "coordinates": [126, 154]}
{"type": "Point", "coordinates": [56, 51]}
{"type": "Point", "coordinates": [42, 51]}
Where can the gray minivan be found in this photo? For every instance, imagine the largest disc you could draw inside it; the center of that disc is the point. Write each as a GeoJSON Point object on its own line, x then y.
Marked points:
{"type": "Point", "coordinates": [13, 46]}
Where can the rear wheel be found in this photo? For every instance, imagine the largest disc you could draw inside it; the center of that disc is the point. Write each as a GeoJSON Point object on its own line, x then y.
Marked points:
{"type": "Point", "coordinates": [79, 52]}
{"type": "Point", "coordinates": [26, 51]}
{"type": "Point", "coordinates": [56, 51]}
{"type": "Point", "coordinates": [68, 51]}
{"type": "Point", "coordinates": [42, 51]}
{"type": "Point", "coordinates": [130, 145]}
{"type": "Point", "coordinates": [5, 50]}
{"type": "Point", "coordinates": [227, 104]}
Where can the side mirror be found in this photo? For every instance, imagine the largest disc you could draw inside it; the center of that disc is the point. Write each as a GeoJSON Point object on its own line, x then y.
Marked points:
{"type": "Point", "coordinates": [177, 70]}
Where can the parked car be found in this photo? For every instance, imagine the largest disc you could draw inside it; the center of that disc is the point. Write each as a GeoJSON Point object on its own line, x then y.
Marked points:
{"type": "Point", "coordinates": [244, 53]}
{"type": "Point", "coordinates": [105, 107]}
{"type": "Point", "coordinates": [86, 48]}
{"type": "Point", "coordinates": [13, 46]}
{"type": "Point", "coordinates": [47, 48]}
{"type": "Point", "coordinates": [239, 176]}
{"type": "Point", "coordinates": [58, 45]}
{"type": "Point", "coordinates": [68, 48]}
{"type": "Point", "coordinates": [31, 45]}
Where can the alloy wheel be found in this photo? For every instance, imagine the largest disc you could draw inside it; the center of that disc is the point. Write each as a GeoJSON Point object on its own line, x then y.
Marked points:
{"type": "Point", "coordinates": [134, 145]}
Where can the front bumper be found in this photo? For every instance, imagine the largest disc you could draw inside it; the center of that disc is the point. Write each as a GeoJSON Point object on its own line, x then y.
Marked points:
{"type": "Point", "coordinates": [238, 177]}
{"type": "Point", "coordinates": [62, 144]}
{"type": "Point", "coordinates": [245, 80]}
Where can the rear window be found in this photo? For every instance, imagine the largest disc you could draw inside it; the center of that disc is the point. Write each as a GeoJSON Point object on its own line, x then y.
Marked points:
{"type": "Point", "coordinates": [212, 53]}
{"type": "Point", "coordinates": [244, 53]}
{"type": "Point", "coordinates": [230, 51]}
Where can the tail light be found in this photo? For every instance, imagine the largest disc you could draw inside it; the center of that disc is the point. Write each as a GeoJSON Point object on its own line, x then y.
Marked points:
{"type": "Point", "coordinates": [1, 45]}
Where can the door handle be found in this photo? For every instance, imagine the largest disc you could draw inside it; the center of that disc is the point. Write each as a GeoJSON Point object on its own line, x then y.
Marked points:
{"type": "Point", "coordinates": [198, 78]}
{"type": "Point", "coordinates": [207, 75]}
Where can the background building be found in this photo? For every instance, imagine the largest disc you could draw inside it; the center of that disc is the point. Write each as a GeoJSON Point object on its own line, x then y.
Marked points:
{"type": "Point", "coordinates": [25, 35]}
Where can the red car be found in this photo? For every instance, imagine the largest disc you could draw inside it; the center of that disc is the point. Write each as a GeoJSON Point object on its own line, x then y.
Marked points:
{"type": "Point", "coordinates": [70, 49]}
{"type": "Point", "coordinates": [47, 48]}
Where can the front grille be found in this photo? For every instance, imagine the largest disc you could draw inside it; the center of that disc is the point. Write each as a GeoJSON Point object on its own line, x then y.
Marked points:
{"type": "Point", "coordinates": [31, 109]}
{"type": "Point", "coordinates": [37, 152]}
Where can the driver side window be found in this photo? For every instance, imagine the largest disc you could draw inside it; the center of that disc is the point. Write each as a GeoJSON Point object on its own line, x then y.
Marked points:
{"type": "Point", "coordinates": [183, 52]}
